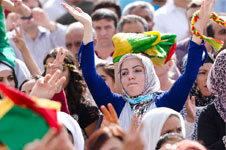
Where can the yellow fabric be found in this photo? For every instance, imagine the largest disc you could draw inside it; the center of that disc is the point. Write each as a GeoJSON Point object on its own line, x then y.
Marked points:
{"type": "Point", "coordinates": [155, 33]}
{"type": "Point", "coordinates": [45, 103]}
{"type": "Point", "coordinates": [5, 105]}
{"type": "Point", "coordinates": [123, 47]}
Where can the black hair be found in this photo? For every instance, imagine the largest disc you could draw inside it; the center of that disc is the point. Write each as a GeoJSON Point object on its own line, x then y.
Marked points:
{"type": "Point", "coordinates": [109, 4]}
{"type": "Point", "coordinates": [104, 13]}
{"type": "Point", "coordinates": [76, 87]}
{"type": "Point", "coordinates": [13, 71]}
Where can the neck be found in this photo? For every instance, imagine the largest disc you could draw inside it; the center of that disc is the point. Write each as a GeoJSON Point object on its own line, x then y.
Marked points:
{"type": "Point", "coordinates": [32, 33]}
{"type": "Point", "coordinates": [104, 52]}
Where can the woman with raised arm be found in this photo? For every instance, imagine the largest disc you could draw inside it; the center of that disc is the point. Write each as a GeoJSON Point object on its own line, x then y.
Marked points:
{"type": "Point", "coordinates": [141, 87]}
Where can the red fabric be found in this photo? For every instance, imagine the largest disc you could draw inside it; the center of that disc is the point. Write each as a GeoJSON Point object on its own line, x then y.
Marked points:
{"type": "Point", "coordinates": [171, 52]}
{"type": "Point", "coordinates": [61, 97]}
{"type": "Point", "coordinates": [19, 98]}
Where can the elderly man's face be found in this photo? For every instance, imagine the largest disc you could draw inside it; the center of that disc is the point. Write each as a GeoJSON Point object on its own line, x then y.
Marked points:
{"type": "Point", "coordinates": [144, 13]}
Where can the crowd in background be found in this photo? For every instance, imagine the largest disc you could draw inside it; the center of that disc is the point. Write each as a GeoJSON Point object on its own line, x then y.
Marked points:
{"type": "Point", "coordinates": [92, 57]}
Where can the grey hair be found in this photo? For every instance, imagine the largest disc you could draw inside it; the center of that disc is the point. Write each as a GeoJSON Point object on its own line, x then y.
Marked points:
{"type": "Point", "coordinates": [131, 19]}
{"type": "Point", "coordinates": [138, 4]}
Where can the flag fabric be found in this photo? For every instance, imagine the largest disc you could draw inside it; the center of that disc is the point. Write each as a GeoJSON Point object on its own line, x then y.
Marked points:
{"type": "Point", "coordinates": [24, 119]}
{"type": "Point", "coordinates": [158, 47]}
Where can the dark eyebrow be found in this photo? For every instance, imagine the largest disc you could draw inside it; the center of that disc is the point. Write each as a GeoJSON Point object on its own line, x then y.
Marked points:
{"type": "Point", "coordinates": [137, 66]}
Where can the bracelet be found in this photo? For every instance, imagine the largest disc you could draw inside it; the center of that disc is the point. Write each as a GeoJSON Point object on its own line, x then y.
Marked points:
{"type": "Point", "coordinates": [224, 140]}
{"type": "Point", "coordinates": [216, 44]}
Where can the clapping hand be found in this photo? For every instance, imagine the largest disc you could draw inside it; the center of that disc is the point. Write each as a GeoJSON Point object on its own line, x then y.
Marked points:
{"type": "Point", "coordinates": [191, 109]}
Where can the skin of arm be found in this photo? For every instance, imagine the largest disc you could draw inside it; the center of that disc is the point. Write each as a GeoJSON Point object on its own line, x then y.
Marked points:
{"type": "Point", "coordinates": [16, 6]}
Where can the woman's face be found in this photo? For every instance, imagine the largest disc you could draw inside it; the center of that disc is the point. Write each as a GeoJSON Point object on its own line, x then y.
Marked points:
{"type": "Point", "coordinates": [202, 79]}
{"type": "Point", "coordinates": [65, 72]}
{"type": "Point", "coordinates": [6, 77]}
{"type": "Point", "coordinates": [108, 79]}
{"type": "Point", "coordinates": [112, 144]}
{"type": "Point", "coordinates": [27, 87]}
{"type": "Point", "coordinates": [172, 125]}
{"type": "Point", "coordinates": [132, 75]}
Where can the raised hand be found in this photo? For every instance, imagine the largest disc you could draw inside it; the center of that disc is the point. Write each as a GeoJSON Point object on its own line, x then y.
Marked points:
{"type": "Point", "coordinates": [39, 17]}
{"type": "Point", "coordinates": [57, 63]}
{"type": "Point", "coordinates": [133, 140]}
{"type": "Point", "coordinates": [78, 14]}
{"type": "Point", "coordinates": [84, 18]}
{"type": "Point", "coordinates": [191, 109]}
{"type": "Point", "coordinates": [204, 15]}
{"type": "Point", "coordinates": [47, 86]}
{"type": "Point", "coordinates": [110, 116]}
{"type": "Point", "coordinates": [19, 38]}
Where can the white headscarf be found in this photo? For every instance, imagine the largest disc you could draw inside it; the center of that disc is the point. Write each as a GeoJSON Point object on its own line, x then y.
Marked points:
{"type": "Point", "coordinates": [74, 128]}
{"type": "Point", "coordinates": [152, 124]}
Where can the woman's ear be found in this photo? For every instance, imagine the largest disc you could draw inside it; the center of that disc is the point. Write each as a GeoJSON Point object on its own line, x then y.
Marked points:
{"type": "Point", "coordinates": [170, 64]}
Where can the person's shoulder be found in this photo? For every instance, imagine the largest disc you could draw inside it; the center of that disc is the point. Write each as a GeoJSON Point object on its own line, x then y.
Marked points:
{"type": "Point", "coordinates": [209, 111]}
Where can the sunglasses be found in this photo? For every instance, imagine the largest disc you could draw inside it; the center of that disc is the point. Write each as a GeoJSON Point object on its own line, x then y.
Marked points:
{"type": "Point", "coordinates": [26, 18]}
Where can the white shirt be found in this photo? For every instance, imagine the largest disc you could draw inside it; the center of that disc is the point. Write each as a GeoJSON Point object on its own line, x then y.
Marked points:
{"type": "Point", "coordinates": [171, 19]}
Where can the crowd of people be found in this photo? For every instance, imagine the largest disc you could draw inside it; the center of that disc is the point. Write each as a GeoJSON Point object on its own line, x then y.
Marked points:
{"type": "Point", "coordinates": [129, 75]}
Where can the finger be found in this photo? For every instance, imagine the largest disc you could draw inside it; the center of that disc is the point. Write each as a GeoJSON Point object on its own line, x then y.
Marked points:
{"type": "Point", "coordinates": [54, 77]}
{"type": "Point", "coordinates": [49, 136]}
{"type": "Point", "coordinates": [21, 29]}
{"type": "Point", "coordinates": [106, 113]}
{"type": "Point", "coordinates": [79, 10]}
{"type": "Point", "coordinates": [15, 28]}
{"type": "Point", "coordinates": [193, 100]}
{"type": "Point", "coordinates": [113, 113]}
{"type": "Point", "coordinates": [71, 10]}
{"type": "Point", "coordinates": [58, 56]}
{"type": "Point", "coordinates": [46, 78]}
{"type": "Point", "coordinates": [60, 82]}
{"type": "Point", "coordinates": [211, 5]}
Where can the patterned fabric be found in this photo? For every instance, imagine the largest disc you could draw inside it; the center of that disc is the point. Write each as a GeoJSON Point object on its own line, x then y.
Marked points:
{"type": "Point", "coordinates": [159, 47]}
{"type": "Point", "coordinates": [140, 104]}
{"type": "Point", "coordinates": [217, 83]}
{"type": "Point", "coordinates": [216, 44]}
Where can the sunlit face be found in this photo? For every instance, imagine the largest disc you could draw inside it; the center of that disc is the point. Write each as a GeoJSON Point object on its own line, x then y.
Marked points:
{"type": "Point", "coordinates": [202, 79]}
{"type": "Point", "coordinates": [73, 41]}
{"type": "Point", "coordinates": [6, 77]}
{"type": "Point", "coordinates": [134, 27]}
{"type": "Point", "coordinates": [172, 125]}
{"type": "Point", "coordinates": [144, 13]}
{"type": "Point", "coordinates": [65, 72]}
{"type": "Point", "coordinates": [27, 87]}
{"type": "Point", "coordinates": [112, 144]}
{"type": "Point", "coordinates": [220, 32]}
{"type": "Point", "coordinates": [108, 79]}
{"type": "Point", "coordinates": [132, 75]}
{"type": "Point", "coordinates": [105, 30]}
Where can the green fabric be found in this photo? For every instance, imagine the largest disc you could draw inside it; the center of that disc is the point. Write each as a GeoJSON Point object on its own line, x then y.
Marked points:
{"type": "Point", "coordinates": [141, 42]}
{"type": "Point", "coordinates": [20, 126]}
{"type": "Point", "coordinates": [6, 51]}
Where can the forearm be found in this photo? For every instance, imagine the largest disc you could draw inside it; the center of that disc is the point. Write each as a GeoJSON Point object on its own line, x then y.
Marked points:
{"type": "Point", "coordinates": [51, 25]}
{"type": "Point", "coordinates": [88, 34]}
{"type": "Point", "coordinates": [22, 10]}
{"type": "Point", "coordinates": [29, 61]}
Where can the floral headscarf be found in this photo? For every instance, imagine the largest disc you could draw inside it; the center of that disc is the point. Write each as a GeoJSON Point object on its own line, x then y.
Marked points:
{"type": "Point", "coordinates": [140, 104]}
{"type": "Point", "coordinates": [217, 83]}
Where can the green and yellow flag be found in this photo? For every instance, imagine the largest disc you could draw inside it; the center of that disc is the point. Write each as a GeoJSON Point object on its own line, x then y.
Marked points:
{"type": "Point", "coordinates": [23, 119]}
{"type": "Point", "coordinates": [158, 47]}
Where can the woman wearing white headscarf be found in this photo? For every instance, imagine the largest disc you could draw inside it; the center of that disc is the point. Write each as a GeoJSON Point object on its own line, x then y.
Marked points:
{"type": "Point", "coordinates": [158, 122]}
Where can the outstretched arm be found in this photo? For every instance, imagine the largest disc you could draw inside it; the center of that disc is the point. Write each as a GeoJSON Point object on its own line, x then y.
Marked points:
{"type": "Point", "coordinates": [22, 46]}
{"type": "Point", "coordinates": [16, 6]}
{"type": "Point", "coordinates": [177, 95]}
{"type": "Point", "coordinates": [97, 86]}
